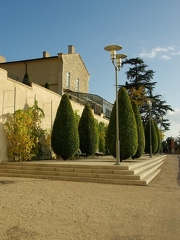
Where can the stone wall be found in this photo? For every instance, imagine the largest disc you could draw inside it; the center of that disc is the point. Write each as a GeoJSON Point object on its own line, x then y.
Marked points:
{"type": "Point", "coordinates": [15, 95]}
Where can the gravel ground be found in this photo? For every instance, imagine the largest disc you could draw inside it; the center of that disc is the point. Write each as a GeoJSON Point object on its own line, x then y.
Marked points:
{"type": "Point", "coordinates": [32, 209]}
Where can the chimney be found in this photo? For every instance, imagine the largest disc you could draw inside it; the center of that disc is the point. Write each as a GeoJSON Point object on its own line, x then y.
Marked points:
{"type": "Point", "coordinates": [2, 59]}
{"type": "Point", "coordinates": [71, 49]}
{"type": "Point", "coordinates": [46, 54]}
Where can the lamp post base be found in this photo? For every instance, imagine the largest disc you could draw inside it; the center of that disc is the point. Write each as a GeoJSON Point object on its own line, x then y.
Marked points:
{"type": "Point", "coordinates": [117, 163]}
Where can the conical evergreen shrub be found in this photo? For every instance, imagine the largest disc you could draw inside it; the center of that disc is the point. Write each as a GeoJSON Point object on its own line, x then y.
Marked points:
{"type": "Point", "coordinates": [87, 131]}
{"type": "Point", "coordinates": [65, 138]}
{"type": "Point", "coordinates": [140, 131]}
{"type": "Point", "coordinates": [46, 85]}
{"type": "Point", "coordinates": [154, 139]}
{"type": "Point", "coordinates": [26, 79]}
{"type": "Point", "coordinates": [127, 128]}
{"type": "Point", "coordinates": [158, 137]}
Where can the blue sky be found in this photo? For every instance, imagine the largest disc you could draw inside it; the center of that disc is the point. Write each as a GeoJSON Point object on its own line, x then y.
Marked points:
{"type": "Point", "coordinates": [147, 29]}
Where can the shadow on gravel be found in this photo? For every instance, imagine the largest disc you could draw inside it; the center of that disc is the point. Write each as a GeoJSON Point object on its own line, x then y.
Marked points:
{"type": "Point", "coordinates": [178, 176]}
{"type": "Point", "coordinates": [6, 182]}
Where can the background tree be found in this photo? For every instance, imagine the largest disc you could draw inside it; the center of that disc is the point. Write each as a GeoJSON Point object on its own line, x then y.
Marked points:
{"type": "Point", "coordinates": [169, 140]}
{"type": "Point", "coordinates": [140, 131]}
{"type": "Point", "coordinates": [87, 131]}
{"type": "Point", "coordinates": [165, 146]}
{"type": "Point", "coordinates": [64, 138]}
{"type": "Point", "coordinates": [154, 139]}
{"type": "Point", "coordinates": [177, 144]}
{"type": "Point", "coordinates": [159, 109]}
{"type": "Point", "coordinates": [127, 128]}
{"type": "Point", "coordinates": [138, 75]}
{"type": "Point", "coordinates": [140, 86]}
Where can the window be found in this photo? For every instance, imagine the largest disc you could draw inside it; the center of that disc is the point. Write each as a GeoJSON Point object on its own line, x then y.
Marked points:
{"type": "Point", "coordinates": [68, 79]}
{"type": "Point", "coordinates": [77, 84]}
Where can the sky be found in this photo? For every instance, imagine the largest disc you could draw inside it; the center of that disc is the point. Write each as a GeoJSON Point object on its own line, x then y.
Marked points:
{"type": "Point", "coordinates": [149, 29]}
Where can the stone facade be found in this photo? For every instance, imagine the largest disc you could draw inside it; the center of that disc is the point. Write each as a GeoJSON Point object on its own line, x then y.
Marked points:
{"type": "Point", "coordinates": [53, 70]}
{"type": "Point", "coordinates": [15, 95]}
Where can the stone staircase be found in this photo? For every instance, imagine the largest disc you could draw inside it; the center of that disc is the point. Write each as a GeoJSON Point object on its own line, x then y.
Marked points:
{"type": "Point", "coordinates": [130, 172]}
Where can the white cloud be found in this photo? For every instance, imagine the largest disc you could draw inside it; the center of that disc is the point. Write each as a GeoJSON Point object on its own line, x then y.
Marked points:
{"type": "Point", "coordinates": [175, 53]}
{"type": "Point", "coordinates": [158, 51]}
{"type": "Point", "coordinates": [165, 57]}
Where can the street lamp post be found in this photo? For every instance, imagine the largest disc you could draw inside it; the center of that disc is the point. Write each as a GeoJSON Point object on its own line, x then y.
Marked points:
{"type": "Point", "coordinates": [149, 102]}
{"type": "Point", "coordinates": [116, 60]}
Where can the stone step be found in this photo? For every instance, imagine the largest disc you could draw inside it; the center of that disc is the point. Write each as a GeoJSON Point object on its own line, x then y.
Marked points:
{"type": "Point", "coordinates": [135, 172]}
{"type": "Point", "coordinates": [151, 176]}
{"type": "Point", "coordinates": [85, 179]}
{"type": "Point", "coordinates": [145, 169]}
{"type": "Point", "coordinates": [29, 169]}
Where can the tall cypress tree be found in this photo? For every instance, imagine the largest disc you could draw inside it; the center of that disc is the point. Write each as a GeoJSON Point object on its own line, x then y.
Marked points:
{"type": "Point", "coordinates": [65, 138]}
{"type": "Point", "coordinates": [158, 137]}
{"type": "Point", "coordinates": [87, 131]}
{"type": "Point", "coordinates": [140, 131]}
{"type": "Point", "coordinates": [127, 128]}
{"type": "Point", "coordinates": [154, 139]}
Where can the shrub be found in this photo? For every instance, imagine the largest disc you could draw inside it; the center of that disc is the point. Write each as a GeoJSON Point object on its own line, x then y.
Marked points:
{"type": "Point", "coordinates": [26, 79]}
{"type": "Point", "coordinates": [23, 130]}
{"type": "Point", "coordinates": [87, 131]}
{"type": "Point", "coordinates": [127, 128]}
{"type": "Point", "coordinates": [102, 135]}
{"type": "Point", "coordinates": [140, 131]}
{"type": "Point", "coordinates": [64, 138]}
{"type": "Point", "coordinates": [154, 139]}
{"type": "Point", "coordinates": [158, 138]}
{"type": "Point", "coordinates": [46, 85]}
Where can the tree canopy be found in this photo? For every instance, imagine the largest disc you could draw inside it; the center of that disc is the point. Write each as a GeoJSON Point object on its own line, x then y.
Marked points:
{"type": "Point", "coordinates": [127, 128]}
{"type": "Point", "coordinates": [140, 87]}
{"type": "Point", "coordinates": [87, 131]}
{"type": "Point", "coordinates": [65, 138]}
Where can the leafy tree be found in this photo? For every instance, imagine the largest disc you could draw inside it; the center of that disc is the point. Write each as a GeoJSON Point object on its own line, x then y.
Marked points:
{"type": "Point", "coordinates": [23, 130]}
{"type": "Point", "coordinates": [177, 144]}
{"type": "Point", "coordinates": [26, 79]}
{"type": "Point", "coordinates": [158, 109]}
{"type": "Point", "coordinates": [139, 76]}
{"type": "Point", "coordinates": [140, 86]}
{"type": "Point", "coordinates": [127, 128]}
{"type": "Point", "coordinates": [87, 131]}
{"type": "Point", "coordinates": [140, 131]}
{"type": "Point", "coordinates": [169, 141]}
{"type": "Point", "coordinates": [64, 138]}
{"type": "Point", "coordinates": [165, 147]}
{"type": "Point", "coordinates": [154, 139]}
{"type": "Point", "coordinates": [137, 95]}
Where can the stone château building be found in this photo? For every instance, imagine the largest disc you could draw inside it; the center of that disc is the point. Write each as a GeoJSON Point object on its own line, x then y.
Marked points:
{"type": "Point", "coordinates": [63, 73]}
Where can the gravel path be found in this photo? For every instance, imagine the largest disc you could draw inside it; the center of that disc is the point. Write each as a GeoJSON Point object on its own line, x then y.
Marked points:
{"type": "Point", "coordinates": [33, 209]}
